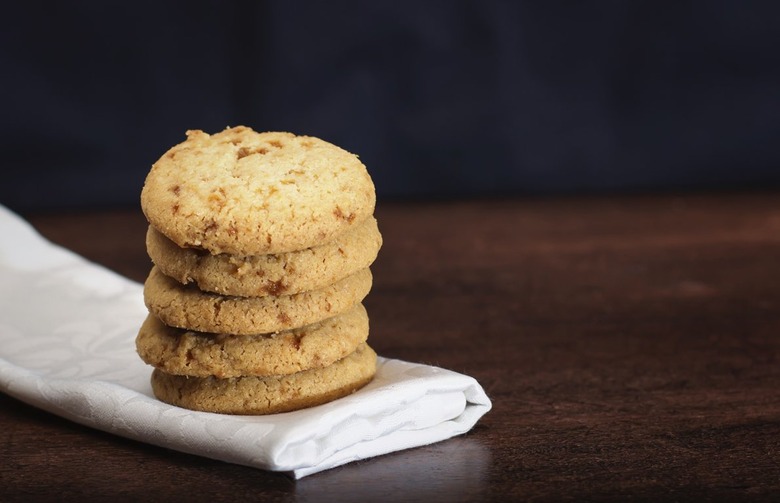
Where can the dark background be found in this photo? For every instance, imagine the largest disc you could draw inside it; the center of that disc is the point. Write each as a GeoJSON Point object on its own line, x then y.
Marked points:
{"type": "Point", "coordinates": [440, 99]}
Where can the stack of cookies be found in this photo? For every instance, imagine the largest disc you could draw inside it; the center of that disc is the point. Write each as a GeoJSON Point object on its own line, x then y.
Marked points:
{"type": "Point", "coordinates": [261, 245]}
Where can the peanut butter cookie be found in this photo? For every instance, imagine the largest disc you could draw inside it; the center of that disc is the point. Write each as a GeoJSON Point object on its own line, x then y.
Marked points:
{"type": "Point", "coordinates": [183, 352]}
{"type": "Point", "coordinates": [271, 274]}
{"type": "Point", "coordinates": [247, 193]}
{"type": "Point", "coordinates": [268, 395]}
{"type": "Point", "coordinates": [187, 307]}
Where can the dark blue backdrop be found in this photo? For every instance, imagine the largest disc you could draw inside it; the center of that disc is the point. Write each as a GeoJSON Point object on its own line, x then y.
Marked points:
{"type": "Point", "coordinates": [439, 98]}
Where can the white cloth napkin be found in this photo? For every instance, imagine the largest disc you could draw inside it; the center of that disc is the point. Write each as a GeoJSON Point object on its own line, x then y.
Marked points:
{"type": "Point", "coordinates": [67, 345]}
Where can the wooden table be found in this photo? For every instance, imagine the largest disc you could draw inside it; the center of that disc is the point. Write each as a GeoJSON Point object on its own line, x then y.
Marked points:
{"type": "Point", "coordinates": [631, 347]}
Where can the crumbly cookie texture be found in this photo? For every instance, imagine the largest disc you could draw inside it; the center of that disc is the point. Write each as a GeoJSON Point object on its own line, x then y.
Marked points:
{"type": "Point", "coordinates": [270, 274]}
{"type": "Point", "coordinates": [247, 193]}
{"type": "Point", "coordinates": [268, 395]}
{"type": "Point", "coordinates": [182, 352]}
{"type": "Point", "coordinates": [186, 307]}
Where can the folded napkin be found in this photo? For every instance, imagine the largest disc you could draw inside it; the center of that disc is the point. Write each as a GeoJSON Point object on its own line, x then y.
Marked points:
{"type": "Point", "coordinates": [67, 345]}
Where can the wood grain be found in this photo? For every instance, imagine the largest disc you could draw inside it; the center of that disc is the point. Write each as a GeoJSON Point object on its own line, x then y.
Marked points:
{"type": "Point", "coordinates": [630, 346]}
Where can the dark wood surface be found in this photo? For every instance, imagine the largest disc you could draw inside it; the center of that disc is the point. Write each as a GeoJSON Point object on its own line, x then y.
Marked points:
{"type": "Point", "coordinates": [630, 346]}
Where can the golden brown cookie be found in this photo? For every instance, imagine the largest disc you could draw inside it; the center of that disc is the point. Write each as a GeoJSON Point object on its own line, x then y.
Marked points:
{"type": "Point", "coordinates": [268, 395]}
{"type": "Point", "coordinates": [181, 352]}
{"type": "Point", "coordinates": [246, 193]}
{"type": "Point", "coordinates": [187, 307]}
{"type": "Point", "coordinates": [276, 274]}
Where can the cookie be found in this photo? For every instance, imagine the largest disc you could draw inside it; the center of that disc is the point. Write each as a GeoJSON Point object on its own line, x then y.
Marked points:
{"type": "Point", "coordinates": [182, 352]}
{"type": "Point", "coordinates": [247, 193]}
{"type": "Point", "coordinates": [268, 395]}
{"type": "Point", "coordinates": [187, 307]}
{"type": "Point", "coordinates": [276, 274]}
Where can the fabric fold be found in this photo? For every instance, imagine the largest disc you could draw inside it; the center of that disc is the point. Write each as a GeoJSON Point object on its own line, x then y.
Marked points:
{"type": "Point", "coordinates": [67, 332]}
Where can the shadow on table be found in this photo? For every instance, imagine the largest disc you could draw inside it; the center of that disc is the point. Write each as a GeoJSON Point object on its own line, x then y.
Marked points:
{"type": "Point", "coordinates": [453, 470]}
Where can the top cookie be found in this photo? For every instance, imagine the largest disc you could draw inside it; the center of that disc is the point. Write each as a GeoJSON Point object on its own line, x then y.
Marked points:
{"type": "Point", "coordinates": [248, 193]}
